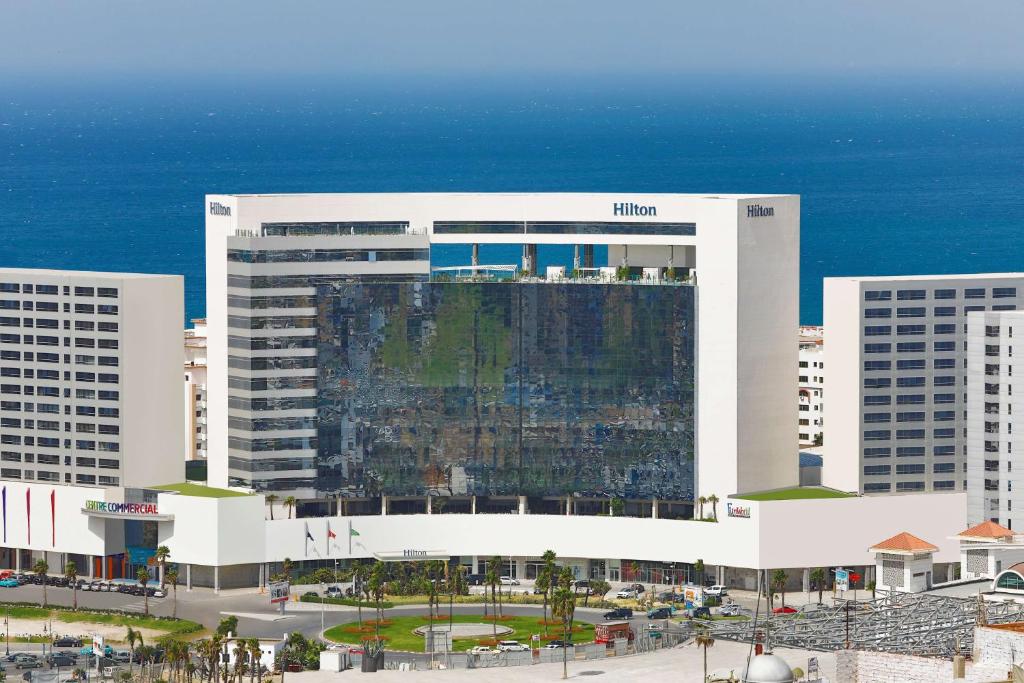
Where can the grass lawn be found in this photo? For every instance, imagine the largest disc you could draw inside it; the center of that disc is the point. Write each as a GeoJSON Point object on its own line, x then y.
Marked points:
{"type": "Point", "coordinates": [199, 491]}
{"type": "Point", "coordinates": [401, 637]}
{"type": "Point", "coordinates": [797, 493]}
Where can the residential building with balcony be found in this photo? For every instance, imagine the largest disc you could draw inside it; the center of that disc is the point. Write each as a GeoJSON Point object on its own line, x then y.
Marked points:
{"type": "Point", "coordinates": [195, 390]}
{"type": "Point", "coordinates": [811, 390]}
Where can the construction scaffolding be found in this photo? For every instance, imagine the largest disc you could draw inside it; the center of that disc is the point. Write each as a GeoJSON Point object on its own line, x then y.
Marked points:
{"type": "Point", "coordinates": [905, 623]}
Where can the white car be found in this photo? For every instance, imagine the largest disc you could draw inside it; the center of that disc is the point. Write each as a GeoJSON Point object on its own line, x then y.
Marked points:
{"type": "Point", "coordinates": [626, 594]}
{"type": "Point", "coordinates": [512, 646]}
{"type": "Point", "coordinates": [716, 591]}
{"type": "Point", "coordinates": [508, 581]}
{"type": "Point", "coordinates": [482, 650]}
{"type": "Point", "coordinates": [732, 610]}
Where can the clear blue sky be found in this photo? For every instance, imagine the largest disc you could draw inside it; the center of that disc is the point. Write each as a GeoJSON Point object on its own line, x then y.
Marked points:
{"type": "Point", "coordinates": [482, 37]}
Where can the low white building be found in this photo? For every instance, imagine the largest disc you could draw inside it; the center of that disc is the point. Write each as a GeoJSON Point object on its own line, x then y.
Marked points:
{"type": "Point", "coordinates": [269, 649]}
{"type": "Point", "coordinates": [986, 548]}
{"type": "Point", "coordinates": [903, 563]}
{"type": "Point", "coordinates": [811, 391]}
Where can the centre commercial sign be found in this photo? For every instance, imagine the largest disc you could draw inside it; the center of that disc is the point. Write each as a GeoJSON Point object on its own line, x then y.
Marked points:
{"type": "Point", "coordinates": [122, 508]}
{"type": "Point", "coordinates": [735, 510]}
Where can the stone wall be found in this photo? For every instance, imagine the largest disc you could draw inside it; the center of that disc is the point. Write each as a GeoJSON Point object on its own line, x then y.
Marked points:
{"type": "Point", "coordinates": [858, 666]}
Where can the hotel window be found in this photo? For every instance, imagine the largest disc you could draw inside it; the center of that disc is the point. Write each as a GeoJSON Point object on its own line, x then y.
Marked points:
{"type": "Point", "coordinates": [944, 311]}
{"type": "Point", "coordinates": [877, 348]}
{"type": "Point", "coordinates": [911, 312]}
{"type": "Point", "coordinates": [876, 400]}
{"type": "Point", "coordinates": [944, 433]}
{"type": "Point", "coordinates": [911, 364]}
{"type": "Point", "coordinates": [878, 295]}
{"type": "Point", "coordinates": [910, 417]}
{"type": "Point", "coordinates": [944, 415]}
{"type": "Point", "coordinates": [876, 365]}
{"type": "Point", "coordinates": [910, 399]}
{"type": "Point", "coordinates": [1004, 307]}
{"type": "Point", "coordinates": [972, 309]}
{"type": "Point", "coordinates": [85, 478]}
{"type": "Point", "coordinates": [84, 291]}
{"type": "Point", "coordinates": [106, 327]}
{"type": "Point", "coordinates": [877, 312]}
{"type": "Point", "coordinates": [876, 487]}
{"type": "Point", "coordinates": [944, 485]}
{"type": "Point", "coordinates": [943, 467]}
{"type": "Point", "coordinates": [910, 294]}
{"type": "Point", "coordinates": [945, 329]}
{"type": "Point", "coordinates": [877, 417]}
{"type": "Point", "coordinates": [941, 346]}
{"type": "Point", "coordinates": [877, 382]}
{"type": "Point", "coordinates": [945, 293]}
{"type": "Point", "coordinates": [943, 363]}
{"type": "Point", "coordinates": [911, 347]}
{"type": "Point", "coordinates": [945, 381]}
{"type": "Point", "coordinates": [909, 433]}
{"type": "Point", "coordinates": [878, 452]}
{"type": "Point", "coordinates": [106, 309]}
{"type": "Point", "coordinates": [974, 293]}
{"type": "Point", "coordinates": [944, 450]}
{"type": "Point", "coordinates": [910, 329]}
{"type": "Point", "coordinates": [108, 292]}
{"type": "Point", "coordinates": [910, 469]}
{"type": "Point", "coordinates": [876, 470]}
{"type": "Point", "coordinates": [877, 330]}
{"type": "Point", "coordinates": [910, 486]}
{"type": "Point", "coordinates": [910, 451]}
{"type": "Point", "coordinates": [910, 381]}
{"type": "Point", "coordinates": [877, 435]}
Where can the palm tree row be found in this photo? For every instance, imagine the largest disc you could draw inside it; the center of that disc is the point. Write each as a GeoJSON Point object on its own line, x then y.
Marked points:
{"type": "Point", "coordinates": [711, 500]}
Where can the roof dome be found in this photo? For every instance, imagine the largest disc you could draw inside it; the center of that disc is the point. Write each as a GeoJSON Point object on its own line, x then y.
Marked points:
{"type": "Point", "coordinates": [768, 668]}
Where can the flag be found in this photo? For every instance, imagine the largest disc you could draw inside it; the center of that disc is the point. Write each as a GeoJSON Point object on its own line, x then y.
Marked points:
{"type": "Point", "coordinates": [353, 532]}
{"type": "Point", "coordinates": [28, 514]}
{"type": "Point", "coordinates": [53, 518]}
{"type": "Point", "coordinates": [5, 513]}
{"type": "Point", "coordinates": [309, 537]}
{"type": "Point", "coordinates": [330, 534]}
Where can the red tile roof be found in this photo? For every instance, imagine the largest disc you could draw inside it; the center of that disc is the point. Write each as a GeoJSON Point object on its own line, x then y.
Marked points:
{"type": "Point", "coordinates": [986, 530]}
{"type": "Point", "coordinates": [906, 543]}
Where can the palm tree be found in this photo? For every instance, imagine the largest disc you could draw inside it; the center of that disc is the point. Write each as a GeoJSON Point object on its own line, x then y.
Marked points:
{"type": "Point", "coordinates": [240, 652]}
{"type": "Point", "coordinates": [376, 585]}
{"type": "Point", "coordinates": [161, 555]}
{"type": "Point", "coordinates": [40, 568]}
{"type": "Point", "coordinates": [286, 569]}
{"type": "Point", "coordinates": [701, 502]}
{"type": "Point", "coordinates": [491, 579]}
{"type": "Point", "coordinates": [71, 574]}
{"type": "Point", "coordinates": [548, 558]}
{"type": "Point", "coordinates": [132, 636]}
{"type": "Point", "coordinates": [143, 576]}
{"type": "Point", "coordinates": [779, 583]}
{"type": "Point", "coordinates": [713, 499]}
{"type": "Point", "coordinates": [872, 586]}
{"type": "Point", "coordinates": [190, 669]}
{"type": "Point", "coordinates": [172, 576]}
{"type": "Point", "coordinates": [818, 579]}
{"type": "Point", "coordinates": [698, 569]}
{"type": "Point", "coordinates": [255, 657]}
{"type": "Point", "coordinates": [563, 605]}
{"type": "Point", "coordinates": [289, 503]}
{"type": "Point", "coordinates": [705, 641]}
{"type": "Point", "coordinates": [271, 498]}
{"type": "Point", "coordinates": [543, 583]}
{"type": "Point", "coordinates": [358, 581]}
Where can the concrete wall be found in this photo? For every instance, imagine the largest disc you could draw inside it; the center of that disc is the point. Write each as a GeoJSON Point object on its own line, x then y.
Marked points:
{"type": "Point", "coordinates": [857, 666]}
{"type": "Point", "coordinates": [841, 309]}
{"type": "Point", "coordinates": [75, 532]}
{"type": "Point", "coordinates": [213, 531]}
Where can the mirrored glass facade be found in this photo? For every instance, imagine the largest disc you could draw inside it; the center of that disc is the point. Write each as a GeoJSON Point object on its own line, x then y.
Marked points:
{"type": "Point", "coordinates": [537, 389]}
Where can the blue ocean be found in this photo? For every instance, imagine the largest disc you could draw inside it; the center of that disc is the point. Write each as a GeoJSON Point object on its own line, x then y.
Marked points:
{"type": "Point", "coordinates": [896, 177]}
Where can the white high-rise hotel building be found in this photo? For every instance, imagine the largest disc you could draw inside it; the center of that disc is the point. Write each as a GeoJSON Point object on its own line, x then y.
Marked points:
{"type": "Point", "coordinates": [90, 377]}
{"type": "Point", "coordinates": [276, 268]}
{"type": "Point", "coordinates": [897, 409]}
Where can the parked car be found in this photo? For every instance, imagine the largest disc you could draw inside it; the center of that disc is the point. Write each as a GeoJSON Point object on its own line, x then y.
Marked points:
{"type": "Point", "coordinates": [618, 613]}
{"type": "Point", "coordinates": [482, 650]}
{"type": "Point", "coordinates": [26, 663]}
{"type": "Point", "coordinates": [476, 579]}
{"type": "Point", "coordinates": [87, 651]}
{"type": "Point", "coordinates": [123, 656]}
{"type": "Point", "coordinates": [512, 646]}
{"type": "Point", "coordinates": [9, 583]}
{"type": "Point", "coordinates": [626, 594]}
{"type": "Point", "coordinates": [333, 592]}
{"type": "Point", "coordinates": [716, 590]}
{"type": "Point", "coordinates": [638, 587]}
{"type": "Point", "coordinates": [784, 610]}
{"type": "Point", "coordinates": [67, 641]}
{"type": "Point", "coordinates": [557, 644]}
{"type": "Point", "coordinates": [508, 581]}
{"type": "Point", "coordinates": [730, 610]}
{"type": "Point", "coordinates": [61, 659]}
{"type": "Point", "coordinates": [660, 613]}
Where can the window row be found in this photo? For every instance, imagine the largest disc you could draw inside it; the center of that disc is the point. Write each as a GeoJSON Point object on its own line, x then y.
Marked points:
{"type": "Point", "coordinates": [909, 364]}
{"type": "Point", "coordinates": [887, 435]}
{"type": "Point", "coordinates": [15, 288]}
{"type": "Point", "coordinates": [920, 294]}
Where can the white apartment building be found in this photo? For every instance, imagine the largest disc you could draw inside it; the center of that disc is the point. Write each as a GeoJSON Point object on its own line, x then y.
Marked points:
{"type": "Point", "coordinates": [991, 407]}
{"type": "Point", "coordinates": [811, 427]}
{"type": "Point", "coordinates": [195, 390]}
{"type": "Point", "coordinates": [89, 377]}
{"type": "Point", "coordinates": [272, 260]}
{"type": "Point", "coordinates": [897, 409]}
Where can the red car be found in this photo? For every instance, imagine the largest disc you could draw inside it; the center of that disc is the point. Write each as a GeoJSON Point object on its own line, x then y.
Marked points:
{"type": "Point", "coordinates": [784, 610]}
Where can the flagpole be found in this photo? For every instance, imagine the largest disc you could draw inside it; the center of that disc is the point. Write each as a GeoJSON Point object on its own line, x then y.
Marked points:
{"type": "Point", "coordinates": [350, 538]}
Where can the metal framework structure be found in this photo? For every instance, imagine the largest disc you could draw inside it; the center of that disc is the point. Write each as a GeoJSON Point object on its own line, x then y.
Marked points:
{"type": "Point", "coordinates": [904, 623]}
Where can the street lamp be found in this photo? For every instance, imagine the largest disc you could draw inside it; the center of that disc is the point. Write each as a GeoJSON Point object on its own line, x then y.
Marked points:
{"type": "Point", "coordinates": [7, 627]}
